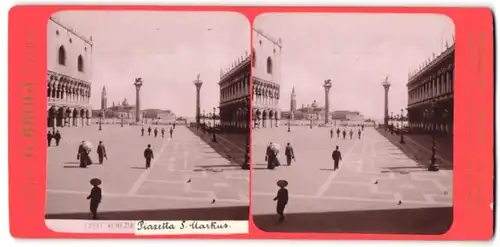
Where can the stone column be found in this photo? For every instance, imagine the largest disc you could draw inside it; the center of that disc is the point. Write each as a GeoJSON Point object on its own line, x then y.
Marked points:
{"type": "Point", "coordinates": [198, 84]}
{"type": "Point", "coordinates": [386, 86]}
{"type": "Point", "coordinates": [327, 85]}
{"type": "Point", "coordinates": [138, 85]}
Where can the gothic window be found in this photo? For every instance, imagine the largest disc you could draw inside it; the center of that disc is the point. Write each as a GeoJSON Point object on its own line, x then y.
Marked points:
{"type": "Point", "coordinates": [62, 55]}
{"type": "Point", "coordinates": [80, 63]}
{"type": "Point", "coordinates": [269, 65]}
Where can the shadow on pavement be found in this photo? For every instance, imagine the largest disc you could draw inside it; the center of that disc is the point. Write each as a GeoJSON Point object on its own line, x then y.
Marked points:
{"type": "Point", "coordinates": [412, 151]}
{"type": "Point", "coordinates": [430, 221]}
{"type": "Point", "coordinates": [234, 154]}
{"type": "Point", "coordinates": [221, 213]}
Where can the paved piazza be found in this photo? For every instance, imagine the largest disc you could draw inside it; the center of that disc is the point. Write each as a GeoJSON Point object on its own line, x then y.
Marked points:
{"type": "Point", "coordinates": [374, 175]}
{"type": "Point", "coordinates": [186, 173]}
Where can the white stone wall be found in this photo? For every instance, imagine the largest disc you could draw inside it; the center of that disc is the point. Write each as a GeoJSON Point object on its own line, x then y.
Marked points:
{"type": "Point", "coordinates": [74, 46]}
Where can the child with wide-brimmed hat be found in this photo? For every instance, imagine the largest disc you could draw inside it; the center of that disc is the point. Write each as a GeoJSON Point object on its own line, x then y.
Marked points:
{"type": "Point", "coordinates": [282, 199]}
{"type": "Point", "coordinates": [95, 196]}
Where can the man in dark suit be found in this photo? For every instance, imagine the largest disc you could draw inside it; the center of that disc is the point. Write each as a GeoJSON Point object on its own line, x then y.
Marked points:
{"type": "Point", "coordinates": [57, 136]}
{"type": "Point", "coordinates": [337, 157]}
{"type": "Point", "coordinates": [101, 152]}
{"type": "Point", "coordinates": [331, 133]}
{"type": "Point", "coordinates": [148, 155]}
{"type": "Point", "coordinates": [289, 154]}
{"type": "Point", "coordinates": [49, 137]}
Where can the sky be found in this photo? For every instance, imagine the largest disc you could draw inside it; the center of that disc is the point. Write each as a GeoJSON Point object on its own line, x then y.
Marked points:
{"type": "Point", "coordinates": [355, 51]}
{"type": "Point", "coordinates": [167, 49]}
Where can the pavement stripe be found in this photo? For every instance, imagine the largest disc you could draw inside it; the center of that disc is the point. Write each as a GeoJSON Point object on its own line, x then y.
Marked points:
{"type": "Point", "coordinates": [329, 180]}
{"type": "Point", "coordinates": [144, 174]}
{"type": "Point", "coordinates": [197, 199]}
{"type": "Point", "coordinates": [357, 199]}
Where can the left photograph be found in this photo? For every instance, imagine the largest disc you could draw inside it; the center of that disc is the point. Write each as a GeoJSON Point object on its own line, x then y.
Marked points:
{"type": "Point", "coordinates": [148, 115]}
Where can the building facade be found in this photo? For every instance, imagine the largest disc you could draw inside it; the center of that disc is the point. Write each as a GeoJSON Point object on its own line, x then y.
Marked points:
{"type": "Point", "coordinates": [234, 102]}
{"type": "Point", "coordinates": [432, 84]}
{"type": "Point", "coordinates": [266, 71]}
{"type": "Point", "coordinates": [69, 73]}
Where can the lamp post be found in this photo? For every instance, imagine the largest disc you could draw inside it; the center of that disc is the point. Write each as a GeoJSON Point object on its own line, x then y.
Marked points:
{"type": "Point", "coordinates": [214, 139]}
{"type": "Point", "coordinates": [433, 167]}
{"type": "Point", "coordinates": [289, 122]}
{"type": "Point", "coordinates": [100, 121]}
{"type": "Point", "coordinates": [402, 141]}
{"type": "Point", "coordinates": [203, 115]}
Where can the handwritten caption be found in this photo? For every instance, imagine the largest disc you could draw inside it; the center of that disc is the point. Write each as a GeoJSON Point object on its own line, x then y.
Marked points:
{"type": "Point", "coordinates": [190, 227]}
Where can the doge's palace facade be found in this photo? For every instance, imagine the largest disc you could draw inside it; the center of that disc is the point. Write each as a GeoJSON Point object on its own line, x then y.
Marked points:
{"type": "Point", "coordinates": [69, 71]}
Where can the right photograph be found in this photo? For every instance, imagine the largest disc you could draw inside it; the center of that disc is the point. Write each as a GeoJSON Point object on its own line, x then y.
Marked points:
{"type": "Point", "coordinates": [353, 123]}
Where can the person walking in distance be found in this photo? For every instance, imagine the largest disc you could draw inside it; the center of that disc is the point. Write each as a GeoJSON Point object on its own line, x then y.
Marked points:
{"type": "Point", "coordinates": [289, 154]}
{"type": "Point", "coordinates": [337, 157]}
{"type": "Point", "coordinates": [101, 152]}
{"type": "Point", "coordinates": [57, 136]}
{"type": "Point", "coordinates": [149, 131]}
{"type": "Point", "coordinates": [171, 132]}
{"type": "Point", "coordinates": [156, 132]}
{"type": "Point", "coordinates": [350, 133]}
{"type": "Point", "coordinates": [95, 197]}
{"type": "Point", "coordinates": [338, 133]}
{"type": "Point", "coordinates": [331, 133]}
{"type": "Point", "coordinates": [162, 132]}
{"type": "Point", "coordinates": [49, 137]}
{"type": "Point", "coordinates": [281, 199]}
{"type": "Point", "coordinates": [359, 134]}
{"type": "Point", "coordinates": [142, 131]}
{"type": "Point", "coordinates": [148, 155]}
{"type": "Point", "coordinates": [344, 133]}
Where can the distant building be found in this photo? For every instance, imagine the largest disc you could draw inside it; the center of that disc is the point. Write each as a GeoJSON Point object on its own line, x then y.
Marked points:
{"type": "Point", "coordinates": [69, 73]}
{"type": "Point", "coordinates": [266, 72]}
{"type": "Point", "coordinates": [234, 104]}
{"type": "Point", "coordinates": [434, 82]}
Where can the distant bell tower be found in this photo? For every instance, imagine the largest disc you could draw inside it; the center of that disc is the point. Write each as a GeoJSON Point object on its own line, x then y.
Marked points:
{"type": "Point", "coordinates": [293, 101]}
{"type": "Point", "coordinates": [104, 99]}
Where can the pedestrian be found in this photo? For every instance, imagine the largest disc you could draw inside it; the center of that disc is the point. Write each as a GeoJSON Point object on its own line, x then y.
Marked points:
{"type": "Point", "coordinates": [344, 133]}
{"type": "Point", "coordinates": [162, 132]}
{"type": "Point", "coordinates": [337, 157]}
{"type": "Point", "coordinates": [338, 133]}
{"type": "Point", "coordinates": [171, 132]}
{"type": "Point", "coordinates": [57, 136]}
{"type": "Point", "coordinates": [270, 156]}
{"type": "Point", "coordinates": [149, 130]}
{"type": "Point", "coordinates": [359, 134]}
{"type": "Point", "coordinates": [281, 199]}
{"type": "Point", "coordinates": [81, 155]}
{"type": "Point", "coordinates": [101, 152]}
{"type": "Point", "coordinates": [350, 133]}
{"type": "Point", "coordinates": [49, 137]}
{"type": "Point", "coordinates": [362, 127]}
{"type": "Point", "coordinates": [156, 132]}
{"type": "Point", "coordinates": [174, 125]}
{"type": "Point", "coordinates": [95, 197]}
{"type": "Point", "coordinates": [148, 155]}
{"type": "Point", "coordinates": [289, 154]}
{"type": "Point", "coordinates": [142, 131]}
{"type": "Point", "coordinates": [331, 133]}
